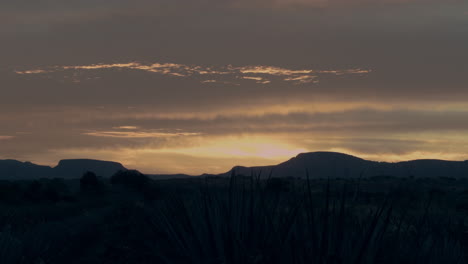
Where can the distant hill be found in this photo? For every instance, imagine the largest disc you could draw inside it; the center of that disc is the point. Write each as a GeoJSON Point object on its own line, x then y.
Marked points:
{"type": "Point", "coordinates": [319, 165]}
{"type": "Point", "coordinates": [13, 169]}
{"type": "Point", "coordinates": [16, 170]}
{"type": "Point", "coordinates": [75, 168]}
{"type": "Point", "coordinates": [339, 165]}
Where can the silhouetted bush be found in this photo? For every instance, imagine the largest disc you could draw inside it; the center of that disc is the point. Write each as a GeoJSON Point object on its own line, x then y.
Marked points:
{"type": "Point", "coordinates": [55, 189]}
{"type": "Point", "coordinates": [132, 179]}
{"type": "Point", "coordinates": [90, 184]}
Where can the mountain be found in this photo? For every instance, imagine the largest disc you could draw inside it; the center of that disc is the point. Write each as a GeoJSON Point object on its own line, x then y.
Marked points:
{"type": "Point", "coordinates": [319, 165]}
{"type": "Point", "coordinates": [339, 165]}
{"type": "Point", "coordinates": [16, 170]}
{"type": "Point", "coordinates": [13, 169]}
{"type": "Point", "coordinates": [77, 167]}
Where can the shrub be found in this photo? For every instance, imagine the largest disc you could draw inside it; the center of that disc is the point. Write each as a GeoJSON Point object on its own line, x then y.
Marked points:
{"type": "Point", "coordinates": [55, 189]}
{"type": "Point", "coordinates": [89, 183]}
{"type": "Point", "coordinates": [132, 179]}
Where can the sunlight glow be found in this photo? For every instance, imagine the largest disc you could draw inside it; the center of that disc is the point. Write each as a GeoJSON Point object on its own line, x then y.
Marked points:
{"type": "Point", "coordinates": [244, 146]}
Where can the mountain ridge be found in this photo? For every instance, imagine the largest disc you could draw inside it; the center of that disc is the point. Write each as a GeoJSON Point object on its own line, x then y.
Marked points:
{"type": "Point", "coordinates": [67, 168]}
{"type": "Point", "coordinates": [320, 164]}
{"type": "Point", "coordinates": [339, 165]}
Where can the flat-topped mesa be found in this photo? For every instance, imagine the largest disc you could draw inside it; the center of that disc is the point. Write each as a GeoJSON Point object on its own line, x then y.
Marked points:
{"type": "Point", "coordinates": [326, 154]}
{"type": "Point", "coordinates": [323, 157]}
{"type": "Point", "coordinates": [339, 165]}
{"type": "Point", "coordinates": [70, 168]}
{"type": "Point", "coordinates": [321, 165]}
{"type": "Point", "coordinates": [73, 168]}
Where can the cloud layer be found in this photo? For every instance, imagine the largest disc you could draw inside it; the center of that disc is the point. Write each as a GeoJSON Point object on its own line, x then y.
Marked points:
{"type": "Point", "coordinates": [139, 137]}
{"type": "Point", "coordinates": [201, 86]}
{"type": "Point", "coordinates": [226, 74]}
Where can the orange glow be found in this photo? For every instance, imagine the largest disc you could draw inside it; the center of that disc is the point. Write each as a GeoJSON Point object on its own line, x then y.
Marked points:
{"type": "Point", "coordinates": [218, 154]}
{"type": "Point", "coordinates": [202, 155]}
{"type": "Point", "coordinates": [247, 146]}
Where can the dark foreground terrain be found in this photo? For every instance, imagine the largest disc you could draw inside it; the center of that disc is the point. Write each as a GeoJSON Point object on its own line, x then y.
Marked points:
{"type": "Point", "coordinates": [132, 219]}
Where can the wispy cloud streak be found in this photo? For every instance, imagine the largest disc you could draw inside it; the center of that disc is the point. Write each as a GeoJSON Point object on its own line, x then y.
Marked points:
{"type": "Point", "coordinates": [139, 134]}
{"type": "Point", "coordinates": [214, 74]}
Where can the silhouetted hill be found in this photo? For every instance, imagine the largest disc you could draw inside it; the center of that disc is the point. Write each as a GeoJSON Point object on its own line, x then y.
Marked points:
{"type": "Point", "coordinates": [16, 170]}
{"type": "Point", "coordinates": [339, 165]}
{"type": "Point", "coordinates": [77, 167]}
{"type": "Point", "coordinates": [319, 165]}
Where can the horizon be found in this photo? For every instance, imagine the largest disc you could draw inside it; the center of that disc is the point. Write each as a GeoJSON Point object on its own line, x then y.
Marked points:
{"type": "Point", "coordinates": [233, 131]}
{"type": "Point", "coordinates": [229, 168]}
{"type": "Point", "coordinates": [161, 88]}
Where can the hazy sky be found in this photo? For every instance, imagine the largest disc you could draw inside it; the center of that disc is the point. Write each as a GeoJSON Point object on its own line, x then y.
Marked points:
{"type": "Point", "coordinates": [194, 86]}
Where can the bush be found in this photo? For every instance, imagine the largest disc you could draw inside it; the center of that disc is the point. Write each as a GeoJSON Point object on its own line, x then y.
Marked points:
{"type": "Point", "coordinates": [55, 189]}
{"type": "Point", "coordinates": [132, 179]}
{"type": "Point", "coordinates": [89, 183]}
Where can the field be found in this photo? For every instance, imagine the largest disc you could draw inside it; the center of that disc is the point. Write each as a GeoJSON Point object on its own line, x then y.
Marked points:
{"type": "Point", "coordinates": [239, 219]}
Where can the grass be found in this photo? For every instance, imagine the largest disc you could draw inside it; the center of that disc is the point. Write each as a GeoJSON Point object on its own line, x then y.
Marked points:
{"type": "Point", "coordinates": [254, 219]}
{"type": "Point", "coordinates": [248, 223]}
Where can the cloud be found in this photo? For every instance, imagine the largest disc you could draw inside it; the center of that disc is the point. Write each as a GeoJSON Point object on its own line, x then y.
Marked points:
{"type": "Point", "coordinates": [257, 79]}
{"type": "Point", "coordinates": [126, 127]}
{"type": "Point", "coordinates": [302, 79]}
{"type": "Point", "coordinates": [225, 138]}
{"type": "Point", "coordinates": [139, 134]}
{"type": "Point", "coordinates": [226, 74]}
{"type": "Point", "coordinates": [31, 72]}
{"type": "Point", "coordinates": [351, 122]}
{"type": "Point", "coordinates": [333, 118]}
{"type": "Point", "coordinates": [116, 134]}
{"type": "Point", "coordinates": [270, 70]}
{"type": "Point", "coordinates": [209, 81]}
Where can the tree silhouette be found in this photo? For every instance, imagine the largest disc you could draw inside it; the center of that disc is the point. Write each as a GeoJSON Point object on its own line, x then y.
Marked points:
{"type": "Point", "coordinates": [132, 179]}
{"type": "Point", "coordinates": [89, 183]}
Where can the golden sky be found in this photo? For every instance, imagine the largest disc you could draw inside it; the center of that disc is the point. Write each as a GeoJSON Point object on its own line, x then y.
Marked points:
{"type": "Point", "coordinates": [163, 89]}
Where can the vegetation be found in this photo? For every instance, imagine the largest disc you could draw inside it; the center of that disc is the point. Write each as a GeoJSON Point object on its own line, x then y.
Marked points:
{"type": "Point", "coordinates": [90, 184]}
{"type": "Point", "coordinates": [131, 179]}
{"type": "Point", "coordinates": [133, 219]}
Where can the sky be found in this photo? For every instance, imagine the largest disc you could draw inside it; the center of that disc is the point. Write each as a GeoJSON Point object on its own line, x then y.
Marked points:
{"type": "Point", "coordinates": [199, 86]}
